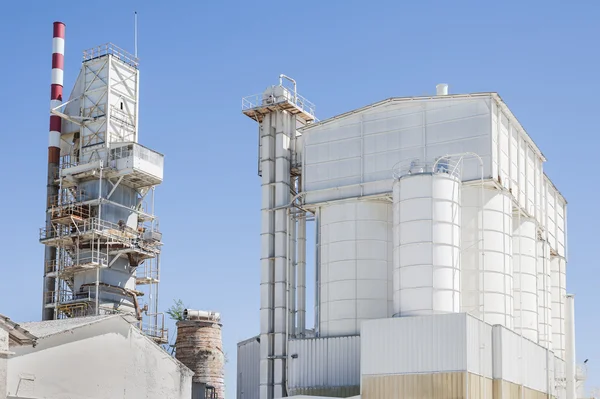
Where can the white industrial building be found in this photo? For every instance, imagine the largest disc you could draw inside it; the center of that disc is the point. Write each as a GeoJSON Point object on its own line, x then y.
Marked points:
{"type": "Point", "coordinates": [441, 253]}
{"type": "Point", "coordinates": [87, 357]}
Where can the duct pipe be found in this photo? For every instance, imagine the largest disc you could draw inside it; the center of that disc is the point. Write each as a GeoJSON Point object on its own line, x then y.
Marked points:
{"type": "Point", "coordinates": [301, 270]}
{"type": "Point", "coordinates": [282, 197]}
{"type": "Point", "coordinates": [570, 346]}
{"type": "Point", "coordinates": [281, 77]}
{"type": "Point", "coordinates": [267, 157]}
{"type": "Point", "coordinates": [191, 314]}
{"type": "Point", "coordinates": [56, 89]}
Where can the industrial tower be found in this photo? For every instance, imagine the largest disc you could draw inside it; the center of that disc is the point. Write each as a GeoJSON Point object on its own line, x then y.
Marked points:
{"type": "Point", "coordinates": [280, 112]}
{"type": "Point", "coordinates": [101, 236]}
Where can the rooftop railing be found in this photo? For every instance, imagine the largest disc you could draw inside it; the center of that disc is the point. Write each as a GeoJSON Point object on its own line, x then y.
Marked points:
{"type": "Point", "coordinates": [110, 49]}
{"type": "Point", "coordinates": [257, 100]}
{"type": "Point", "coordinates": [447, 166]}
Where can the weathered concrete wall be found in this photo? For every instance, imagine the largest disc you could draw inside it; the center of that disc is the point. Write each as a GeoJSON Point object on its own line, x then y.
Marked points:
{"type": "Point", "coordinates": [3, 362]}
{"type": "Point", "coordinates": [110, 359]}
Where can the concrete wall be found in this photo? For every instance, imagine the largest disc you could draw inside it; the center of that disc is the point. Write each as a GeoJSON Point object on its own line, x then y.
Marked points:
{"type": "Point", "coordinates": [3, 362]}
{"type": "Point", "coordinates": [109, 359]}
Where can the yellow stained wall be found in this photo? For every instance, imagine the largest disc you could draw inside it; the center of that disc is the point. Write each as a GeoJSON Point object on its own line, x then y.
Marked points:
{"type": "Point", "coordinates": [458, 385]}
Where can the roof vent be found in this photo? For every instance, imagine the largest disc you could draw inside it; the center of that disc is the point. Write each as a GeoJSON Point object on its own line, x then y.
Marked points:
{"type": "Point", "coordinates": [442, 89]}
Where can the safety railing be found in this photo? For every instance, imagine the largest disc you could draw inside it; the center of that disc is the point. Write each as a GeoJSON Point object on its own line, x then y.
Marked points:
{"type": "Point", "coordinates": [447, 166]}
{"type": "Point", "coordinates": [258, 100]}
{"type": "Point", "coordinates": [136, 151]}
{"type": "Point", "coordinates": [155, 327]}
{"type": "Point", "coordinates": [109, 48]}
{"type": "Point", "coordinates": [52, 297]}
{"type": "Point", "coordinates": [67, 197]}
{"type": "Point", "coordinates": [70, 210]}
{"type": "Point", "coordinates": [91, 225]}
{"type": "Point", "coordinates": [147, 272]}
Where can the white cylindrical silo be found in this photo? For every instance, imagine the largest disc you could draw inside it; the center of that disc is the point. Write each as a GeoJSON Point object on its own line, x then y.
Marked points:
{"type": "Point", "coordinates": [355, 254]}
{"type": "Point", "coordinates": [525, 277]}
{"type": "Point", "coordinates": [486, 257]}
{"type": "Point", "coordinates": [544, 294]}
{"type": "Point", "coordinates": [426, 232]}
{"type": "Point", "coordinates": [558, 270]}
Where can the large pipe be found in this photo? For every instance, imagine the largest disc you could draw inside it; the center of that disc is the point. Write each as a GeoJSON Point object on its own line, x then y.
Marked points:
{"type": "Point", "coordinates": [56, 91]}
{"type": "Point", "coordinates": [301, 283]}
{"type": "Point", "coordinates": [267, 160]}
{"type": "Point", "coordinates": [570, 346]}
{"type": "Point", "coordinates": [191, 314]}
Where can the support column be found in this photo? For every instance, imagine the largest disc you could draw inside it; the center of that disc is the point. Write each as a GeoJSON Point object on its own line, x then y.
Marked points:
{"type": "Point", "coordinates": [570, 346]}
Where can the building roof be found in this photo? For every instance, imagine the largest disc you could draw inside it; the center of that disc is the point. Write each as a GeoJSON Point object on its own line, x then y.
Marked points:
{"type": "Point", "coordinates": [493, 95]}
{"type": "Point", "coordinates": [17, 335]}
{"type": "Point", "coordinates": [43, 329]}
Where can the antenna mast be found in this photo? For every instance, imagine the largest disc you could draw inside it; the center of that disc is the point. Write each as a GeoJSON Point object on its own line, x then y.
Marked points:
{"type": "Point", "coordinates": [135, 34]}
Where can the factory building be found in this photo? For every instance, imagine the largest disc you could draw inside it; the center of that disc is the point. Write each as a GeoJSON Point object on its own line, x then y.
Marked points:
{"type": "Point", "coordinates": [88, 357]}
{"type": "Point", "coordinates": [441, 253]}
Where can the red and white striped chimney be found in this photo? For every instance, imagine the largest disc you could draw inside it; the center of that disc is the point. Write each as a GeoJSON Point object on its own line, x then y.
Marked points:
{"type": "Point", "coordinates": [56, 90]}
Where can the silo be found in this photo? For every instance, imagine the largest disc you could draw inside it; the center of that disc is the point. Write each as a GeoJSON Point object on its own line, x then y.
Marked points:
{"type": "Point", "coordinates": [486, 257]}
{"type": "Point", "coordinates": [426, 233]}
{"type": "Point", "coordinates": [355, 251]}
{"type": "Point", "coordinates": [199, 346]}
{"type": "Point", "coordinates": [558, 270]}
{"type": "Point", "coordinates": [544, 289]}
{"type": "Point", "coordinates": [525, 277]}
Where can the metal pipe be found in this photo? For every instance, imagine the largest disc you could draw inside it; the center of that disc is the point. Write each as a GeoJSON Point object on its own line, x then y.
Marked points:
{"type": "Point", "coordinates": [52, 189]}
{"type": "Point", "coordinates": [570, 346]}
{"type": "Point", "coordinates": [281, 77]}
{"type": "Point", "coordinates": [301, 275]}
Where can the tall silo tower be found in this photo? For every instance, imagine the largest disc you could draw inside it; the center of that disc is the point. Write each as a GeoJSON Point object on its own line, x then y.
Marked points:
{"type": "Point", "coordinates": [102, 238]}
{"type": "Point", "coordinates": [280, 111]}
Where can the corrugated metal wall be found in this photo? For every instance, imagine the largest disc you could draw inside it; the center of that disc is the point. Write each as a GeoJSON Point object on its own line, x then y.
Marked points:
{"type": "Point", "coordinates": [248, 362]}
{"type": "Point", "coordinates": [414, 345]}
{"type": "Point", "coordinates": [324, 362]}
{"type": "Point", "coordinates": [479, 347]}
{"type": "Point", "coordinates": [521, 361]}
{"type": "Point", "coordinates": [365, 146]}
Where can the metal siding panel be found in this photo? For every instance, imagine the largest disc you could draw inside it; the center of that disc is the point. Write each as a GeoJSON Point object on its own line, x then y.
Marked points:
{"type": "Point", "coordinates": [479, 347]}
{"type": "Point", "coordinates": [519, 360]}
{"type": "Point", "coordinates": [248, 362]}
{"type": "Point", "coordinates": [414, 345]}
{"type": "Point", "coordinates": [324, 362]}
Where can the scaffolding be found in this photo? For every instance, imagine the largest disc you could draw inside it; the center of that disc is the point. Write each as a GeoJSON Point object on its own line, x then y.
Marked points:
{"type": "Point", "coordinates": [85, 242]}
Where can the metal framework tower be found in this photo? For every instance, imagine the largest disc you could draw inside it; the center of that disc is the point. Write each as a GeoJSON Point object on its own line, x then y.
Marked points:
{"type": "Point", "coordinates": [102, 238]}
{"type": "Point", "coordinates": [280, 111]}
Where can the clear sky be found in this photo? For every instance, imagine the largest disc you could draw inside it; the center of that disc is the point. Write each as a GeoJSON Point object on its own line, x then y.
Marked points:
{"type": "Point", "coordinates": [198, 58]}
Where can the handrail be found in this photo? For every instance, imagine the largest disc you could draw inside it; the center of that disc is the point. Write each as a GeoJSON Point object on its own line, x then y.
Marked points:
{"type": "Point", "coordinates": [110, 49]}
{"type": "Point", "coordinates": [256, 100]}
{"type": "Point", "coordinates": [446, 165]}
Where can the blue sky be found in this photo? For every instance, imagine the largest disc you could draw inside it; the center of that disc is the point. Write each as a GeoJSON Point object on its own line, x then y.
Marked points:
{"type": "Point", "coordinates": [199, 58]}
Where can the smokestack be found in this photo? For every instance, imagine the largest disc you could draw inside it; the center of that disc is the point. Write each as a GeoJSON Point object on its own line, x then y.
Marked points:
{"type": "Point", "coordinates": [56, 90]}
